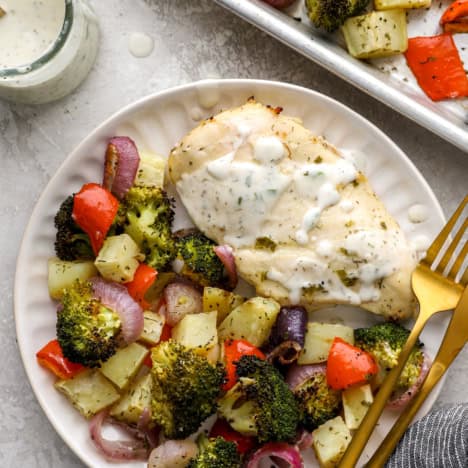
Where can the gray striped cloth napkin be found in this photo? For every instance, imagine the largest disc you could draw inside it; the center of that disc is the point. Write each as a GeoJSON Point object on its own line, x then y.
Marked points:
{"type": "Point", "coordinates": [439, 440]}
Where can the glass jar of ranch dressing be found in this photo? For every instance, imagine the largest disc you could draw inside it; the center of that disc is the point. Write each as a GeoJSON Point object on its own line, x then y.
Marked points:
{"type": "Point", "coordinates": [47, 48]}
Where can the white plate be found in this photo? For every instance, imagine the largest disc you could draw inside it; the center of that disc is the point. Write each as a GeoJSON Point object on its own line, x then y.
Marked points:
{"type": "Point", "coordinates": [156, 123]}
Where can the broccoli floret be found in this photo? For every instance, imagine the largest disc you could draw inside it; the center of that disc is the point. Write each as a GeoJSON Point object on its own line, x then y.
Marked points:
{"type": "Point", "coordinates": [88, 331]}
{"type": "Point", "coordinates": [185, 389]}
{"type": "Point", "coordinates": [146, 215]}
{"type": "Point", "coordinates": [71, 242]}
{"type": "Point", "coordinates": [215, 453]}
{"type": "Point", "coordinates": [261, 404]}
{"type": "Point", "coordinates": [201, 263]}
{"type": "Point", "coordinates": [385, 342]}
{"type": "Point", "coordinates": [331, 14]}
{"type": "Point", "coordinates": [317, 401]}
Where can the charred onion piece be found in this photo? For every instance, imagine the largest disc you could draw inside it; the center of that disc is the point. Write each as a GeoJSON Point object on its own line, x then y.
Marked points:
{"type": "Point", "coordinates": [116, 297]}
{"type": "Point", "coordinates": [279, 3]}
{"type": "Point", "coordinates": [224, 253]}
{"type": "Point", "coordinates": [116, 450]}
{"type": "Point", "coordinates": [287, 352]}
{"type": "Point", "coordinates": [402, 399]}
{"type": "Point", "coordinates": [121, 165]}
{"type": "Point", "coordinates": [290, 325]}
{"type": "Point", "coordinates": [173, 454]}
{"type": "Point", "coordinates": [287, 455]}
{"type": "Point", "coordinates": [144, 426]}
{"type": "Point", "coordinates": [181, 299]}
{"type": "Point", "coordinates": [297, 374]}
{"type": "Point", "coordinates": [304, 439]}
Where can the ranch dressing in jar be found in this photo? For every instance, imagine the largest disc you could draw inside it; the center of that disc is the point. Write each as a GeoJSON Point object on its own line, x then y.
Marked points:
{"type": "Point", "coordinates": [47, 47]}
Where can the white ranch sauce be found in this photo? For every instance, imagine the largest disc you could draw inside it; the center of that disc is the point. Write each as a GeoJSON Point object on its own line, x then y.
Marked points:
{"type": "Point", "coordinates": [196, 114]}
{"type": "Point", "coordinates": [140, 44]}
{"type": "Point", "coordinates": [28, 29]}
{"type": "Point", "coordinates": [240, 196]}
{"type": "Point", "coordinates": [346, 206]}
{"type": "Point", "coordinates": [208, 94]}
{"type": "Point", "coordinates": [359, 158]}
{"type": "Point", "coordinates": [421, 243]}
{"type": "Point", "coordinates": [418, 213]}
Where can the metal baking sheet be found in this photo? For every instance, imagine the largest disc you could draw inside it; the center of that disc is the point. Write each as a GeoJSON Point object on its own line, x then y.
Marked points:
{"type": "Point", "coordinates": [388, 80]}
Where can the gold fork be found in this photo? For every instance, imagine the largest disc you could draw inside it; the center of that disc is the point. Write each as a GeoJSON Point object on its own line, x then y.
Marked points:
{"type": "Point", "coordinates": [455, 338]}
{"type": "Point", "coordinates": [436, 291]}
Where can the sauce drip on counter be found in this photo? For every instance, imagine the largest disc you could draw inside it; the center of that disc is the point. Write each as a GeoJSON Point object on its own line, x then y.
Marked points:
{"type": "Point", "coordinates": [140, 44]}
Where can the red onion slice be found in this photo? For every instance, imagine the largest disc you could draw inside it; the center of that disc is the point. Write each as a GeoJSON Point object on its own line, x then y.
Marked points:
{"type": "Point", "coordinates": [224, 253]}
{"type": "Point", "coordinates": [286, 353]}
{"type": "Point", "coordinates": [401, 400]}
{"type": "Point", "coordinates": [115, 450]}
{"type": "Point", "coordinates": [304, 439]}
{"type": "Point", "coordinates": [290, 325]}
{"type": "Point", "coordinates": [173, 454]}
{"type": "Point", "coordinates": [121, 165]}
{"type": "Point", "coordinates": [297, 374]}
{"type": "Point", "coordinates": [143, 425]}
{"type": "Point", "coordinates": [181, 299]}
{"type": "Point", "coordinates": [280, 4]}
{"type": "Point", "coordinates": [116, 297]}
{"type": "Point", "coordinates": [278, 450]}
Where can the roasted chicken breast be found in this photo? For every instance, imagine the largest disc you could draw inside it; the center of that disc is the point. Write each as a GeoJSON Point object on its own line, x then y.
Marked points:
{"type": "Point", "coordinates": [304, 224]}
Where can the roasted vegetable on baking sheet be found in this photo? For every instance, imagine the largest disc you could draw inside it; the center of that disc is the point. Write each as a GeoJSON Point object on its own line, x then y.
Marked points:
{"type": "Point", "coordinates": [376, 34]}
{"type": "Point", "coordinates": [404, 4]}
{"type": "Point", "coordinates": [331, 14]}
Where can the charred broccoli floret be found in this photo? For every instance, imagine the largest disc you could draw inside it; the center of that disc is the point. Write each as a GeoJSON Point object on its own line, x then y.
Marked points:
{"type": "Point", "coordinates": [201, 263]}
{"type": "Point", "coordinates": [146, 215]}
{"type": "Point", "coordinates": [185, 389]}
{"type": "Point", "coordinates": [385, 342]}
{"type": "Point", "coordinates": [71, 242]}
{"type": "Point", "coordinates": [88, 331]}
{"type": "Point", "coordinates": [331, 14]}
{"type": "Point", "coordinates": [261, 404]}
{"type": "Point", "coordinates": [215, 453]}
{"type": "Point", "coordinates": [317, 401]}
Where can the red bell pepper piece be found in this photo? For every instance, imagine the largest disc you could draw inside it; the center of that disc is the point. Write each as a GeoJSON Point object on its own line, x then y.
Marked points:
{"type": "Point", "coordinates": [221, 428]}
{"type": "Point", "coordinates": [348, 365]}
{"type": "Point", "coordinates": [233, 351]}
{"type": "Point", "coordinates": [437, 67]}
{"type": "Point", "coordinates": [144, 277]}
{"type": "Point", "coordinates": [166, 333]}
{"type": "Point", "coordinates": [455, 17]}
{"type": "Point", "coordinates": [148, 361]}
{"type": "Point", "coordinates": [51, 357]}
{"type": "Point", "coordinates": [94, 210]}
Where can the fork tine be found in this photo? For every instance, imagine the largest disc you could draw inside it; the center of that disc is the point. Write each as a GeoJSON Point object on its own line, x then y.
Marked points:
{"type": "Point", "coordinates": [435, 247]}
{"type": "Point", "coordinates": [458, 262]}
{"type": "Point", "coordinates": [451, 249]}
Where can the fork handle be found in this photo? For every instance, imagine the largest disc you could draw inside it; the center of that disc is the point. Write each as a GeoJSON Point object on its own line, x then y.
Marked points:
{"type": "Point", "coordinates": [393, 437]}
{"type": "Point", "coordinates": [360, 438]}
{"type": "Point", "coordinates": [455, 338]}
